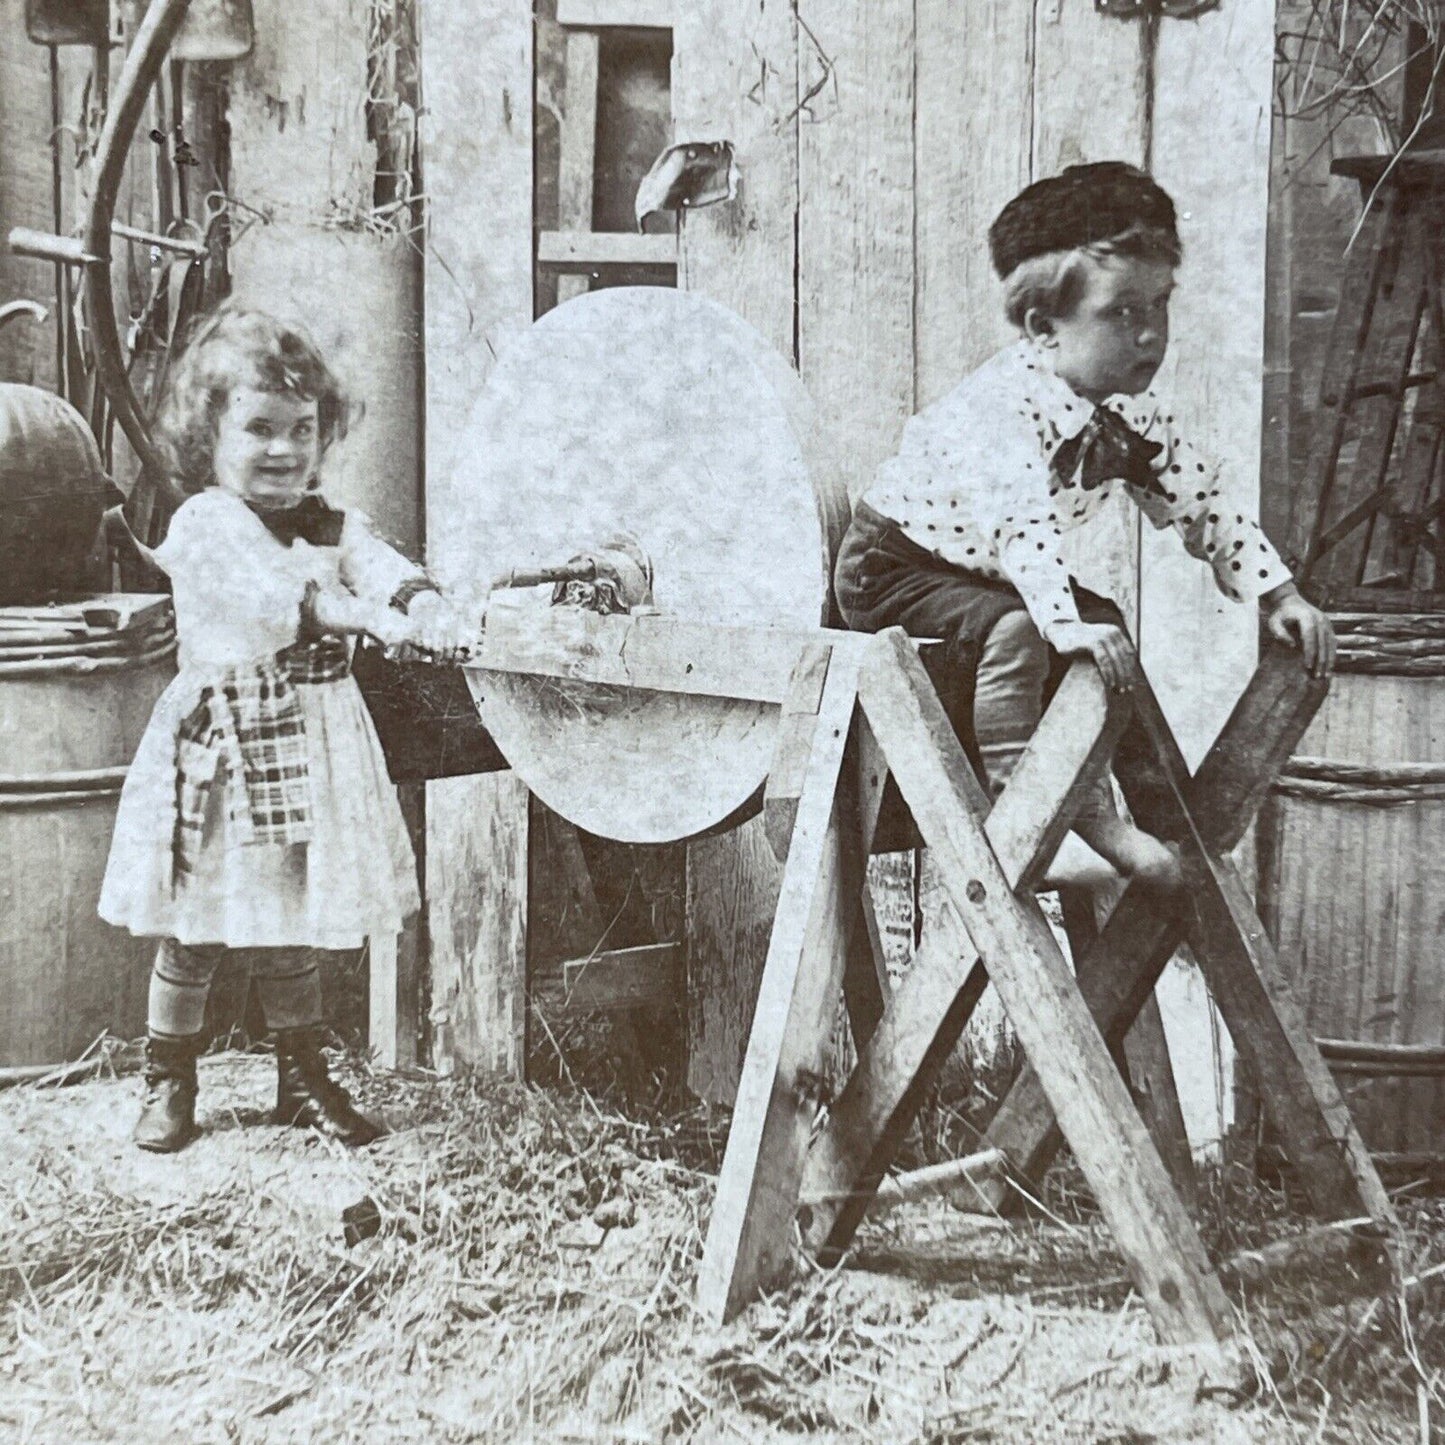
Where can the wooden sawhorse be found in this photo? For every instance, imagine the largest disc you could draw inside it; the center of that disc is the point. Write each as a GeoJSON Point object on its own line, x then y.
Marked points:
{"type": "Point", "coordinates": [861, 708]}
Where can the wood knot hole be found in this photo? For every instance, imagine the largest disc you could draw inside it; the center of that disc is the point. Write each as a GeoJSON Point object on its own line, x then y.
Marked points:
{"type": "Point", "coordinates": [975, 892]}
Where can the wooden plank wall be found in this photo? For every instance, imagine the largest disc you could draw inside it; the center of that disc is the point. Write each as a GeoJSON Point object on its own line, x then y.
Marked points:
{"type": "Point", "coordinates": [892, 278]}
{"type": "Point", "coordinates": [27, 352]}
{"type": "Point", "coordinates": [735, 75]}
{"type": "Point", "coordinates": [477, 146]}
{"type": "Point", "coordinates": [1197, 646]}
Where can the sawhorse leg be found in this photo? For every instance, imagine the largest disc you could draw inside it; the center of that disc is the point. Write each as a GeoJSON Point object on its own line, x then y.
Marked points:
{"type": "Point", "coordinates": [1212, 811]}
{"type": "Point", "coordinates": [751, 1232]}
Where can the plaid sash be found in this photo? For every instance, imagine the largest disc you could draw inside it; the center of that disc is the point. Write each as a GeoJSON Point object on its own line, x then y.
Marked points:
{"type": "Point", "coordinates": [250, 720]}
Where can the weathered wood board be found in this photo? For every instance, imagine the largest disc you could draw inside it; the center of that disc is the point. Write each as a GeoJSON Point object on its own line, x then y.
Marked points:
{"type": "Point", "coordinates": [477, 86]}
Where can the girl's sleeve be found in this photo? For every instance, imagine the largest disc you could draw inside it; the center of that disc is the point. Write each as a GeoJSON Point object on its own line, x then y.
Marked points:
{"type": "Point", "coordinates": [374, 569]}
{"type": "Point", "coordinates": [213, 554]}
{"type": "Point", "coordinates": [1189, 495]}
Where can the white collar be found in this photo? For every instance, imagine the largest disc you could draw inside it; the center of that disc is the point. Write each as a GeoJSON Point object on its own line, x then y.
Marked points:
{"type": "Point", "coordinates": [1057, 402]}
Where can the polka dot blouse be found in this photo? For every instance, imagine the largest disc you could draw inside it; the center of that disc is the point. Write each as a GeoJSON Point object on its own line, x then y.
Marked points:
{"type": "Point", "coordinates": [974, 484]}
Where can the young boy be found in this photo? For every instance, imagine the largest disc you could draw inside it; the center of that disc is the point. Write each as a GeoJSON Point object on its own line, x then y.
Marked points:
{"type": "Point", "coordinates": [959, 536]}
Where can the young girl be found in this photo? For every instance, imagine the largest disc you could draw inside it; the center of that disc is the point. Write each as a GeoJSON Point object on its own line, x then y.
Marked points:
{"type": "Point", "coordinates": [960, 535]}
{"type": "Point", "coordinates": [257, 822]}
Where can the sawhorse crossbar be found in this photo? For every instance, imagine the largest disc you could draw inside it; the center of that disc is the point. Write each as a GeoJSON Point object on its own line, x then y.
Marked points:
{"type": "Point", "coordinates": [855, 710]}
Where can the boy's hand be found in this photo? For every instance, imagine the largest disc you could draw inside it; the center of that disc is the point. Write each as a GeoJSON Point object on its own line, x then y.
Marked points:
{"type": "Point", "coordinates": [1111, 650]}
{"type": "Point", "coordinates": [1293, 620]}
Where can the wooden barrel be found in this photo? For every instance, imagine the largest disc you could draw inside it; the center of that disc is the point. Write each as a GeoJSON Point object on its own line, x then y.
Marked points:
{"type": "Point", "coordinates": [74, 699]}
{"type": "Point", "coordinates": [1352, 885]}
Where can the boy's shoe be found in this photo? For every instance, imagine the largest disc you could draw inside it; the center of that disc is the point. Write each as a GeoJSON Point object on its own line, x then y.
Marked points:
{"type": "Point", "coordinates": [307, 1096]}
{"type": "Point", "coordinates": [168, 1116]}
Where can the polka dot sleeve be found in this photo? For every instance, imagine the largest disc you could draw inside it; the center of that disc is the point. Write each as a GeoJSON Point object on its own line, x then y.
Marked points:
{"type": "Point", "coordinates": [1190, 496]}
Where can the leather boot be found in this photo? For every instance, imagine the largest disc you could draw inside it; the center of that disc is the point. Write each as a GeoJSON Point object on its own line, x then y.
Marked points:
{"type": "Point", "coordinates": [168, 1116]}
{"type": "Point", "coordinates": [307, 1096]}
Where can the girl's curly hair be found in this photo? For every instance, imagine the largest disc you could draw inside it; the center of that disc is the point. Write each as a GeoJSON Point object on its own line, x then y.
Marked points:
{"type": "Point", "coordinates": [236, 346]}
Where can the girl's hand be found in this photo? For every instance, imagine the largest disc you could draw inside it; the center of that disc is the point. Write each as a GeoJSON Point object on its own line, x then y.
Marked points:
{"type": "Point", "coordinates": [1111, 650]}
{"type": "Point", "coordinates": [390, 628]}
{"type": "Point", "coordinates": [437, 627]}
{"type": "Point", "coordinates": [1294, 621]}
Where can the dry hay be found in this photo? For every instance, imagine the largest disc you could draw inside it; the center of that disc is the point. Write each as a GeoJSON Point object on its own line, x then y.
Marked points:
{"type": "Point", "coordinates": [532, 1278]}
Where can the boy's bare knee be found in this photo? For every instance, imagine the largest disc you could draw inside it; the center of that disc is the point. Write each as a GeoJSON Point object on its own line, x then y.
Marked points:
{"type": "Point", "coordinates": [1015, 645]}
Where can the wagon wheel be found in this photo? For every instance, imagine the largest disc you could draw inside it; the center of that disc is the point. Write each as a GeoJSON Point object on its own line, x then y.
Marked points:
{"type": "Point", "coordinates": [142, 68]}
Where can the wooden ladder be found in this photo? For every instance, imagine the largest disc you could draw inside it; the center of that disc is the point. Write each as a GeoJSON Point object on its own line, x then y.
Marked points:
{"type": "Point", "coordinates": [1369, 527]}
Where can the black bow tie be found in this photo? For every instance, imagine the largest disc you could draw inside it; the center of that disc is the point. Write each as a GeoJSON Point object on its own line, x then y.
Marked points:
{"type": "Point", "coordinates": [1106, 448]}
{"type": "Point", "coordinates": [312, 519]}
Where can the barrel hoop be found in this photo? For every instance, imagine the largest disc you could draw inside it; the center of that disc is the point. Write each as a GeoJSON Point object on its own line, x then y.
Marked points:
{"type": "Point", "coordinates": [1350, 1056]}
{"type": "Point", "coordinates": [43, 790]}
{"type": "Point", "coordinates": [1370, 784]}
{"type": "Point", "coordinates": [88, 666]}
{"type": "Point", "coordinates": [19, 647]}
{"type": "Point", "coordinates": [1405, 644]}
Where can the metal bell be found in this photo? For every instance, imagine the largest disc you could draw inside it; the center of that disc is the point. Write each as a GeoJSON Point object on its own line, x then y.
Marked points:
{"type": "Point", "coordinates": [215, 30]}
{"type": "Point", "coordinates": [68, 22]}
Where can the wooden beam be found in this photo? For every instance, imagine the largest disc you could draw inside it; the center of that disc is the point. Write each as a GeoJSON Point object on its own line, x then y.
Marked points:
{"type": "Point", "coordinates": [735, 77]}
{"type": "Point", "coordinates": [627, 14]}
{"type": "Point", "coordinates": [928, 1011]}
{"type": "Point", "coordinates": [477, 79]}
{"type": "Point", "coordinates": [580, 251]}
{"type": "Point", "coordinates": [663, 654]}
{"type": "Point", "coordinates": [622, 978]}
{"type": "Point", "coordinates": [750, 1236]}
{"type": "Point", "coordinates": [796, 730]}
{"type": "Point", "coordinates": [856, 185]}
{"type": "Point", "coordinates": [970, 158]}
{"type": "Point", "coordinates": [384, 1003]}
{"type": "Point", "coordinates": [1039, 993]}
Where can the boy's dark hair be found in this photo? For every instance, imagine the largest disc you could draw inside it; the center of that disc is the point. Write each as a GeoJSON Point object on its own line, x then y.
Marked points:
{"type": "Point", "coordinates": [1109, 204]}
{"type": "Point", "coordinates": [234, 347]}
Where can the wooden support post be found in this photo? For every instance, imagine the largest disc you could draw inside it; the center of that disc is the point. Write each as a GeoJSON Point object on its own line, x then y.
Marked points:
{"type": "Point", "coordinates": [1165, 1256]}
{"type": "Point", "coordinates": [931, 1006]}
{"type": "Point", "coordinates": [1145, 1054]}
{"type": "Point", "coordinates": [477, 88]}
{"type": "Point", "coordinates": [797, 728]}
{"type": "Point", "coordinates": [779, 1093]}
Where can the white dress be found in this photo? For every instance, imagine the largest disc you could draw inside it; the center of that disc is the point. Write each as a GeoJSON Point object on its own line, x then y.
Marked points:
{"type": "Point", "coordinates": [238, 591]}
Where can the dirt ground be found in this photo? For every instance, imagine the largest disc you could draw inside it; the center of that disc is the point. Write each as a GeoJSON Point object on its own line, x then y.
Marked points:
{"type": "Point", "coordinates": [530, 1278]}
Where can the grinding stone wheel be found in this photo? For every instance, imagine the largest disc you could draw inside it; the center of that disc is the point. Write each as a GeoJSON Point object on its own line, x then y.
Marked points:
{"type": "Point", "coordinates": [661, 413]}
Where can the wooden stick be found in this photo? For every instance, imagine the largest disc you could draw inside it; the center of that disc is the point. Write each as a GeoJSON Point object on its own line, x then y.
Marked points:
{"type": "Point", "coordinates": [1153, 1231]}
{"type": "Point", "coordinates": [923, 1183]}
